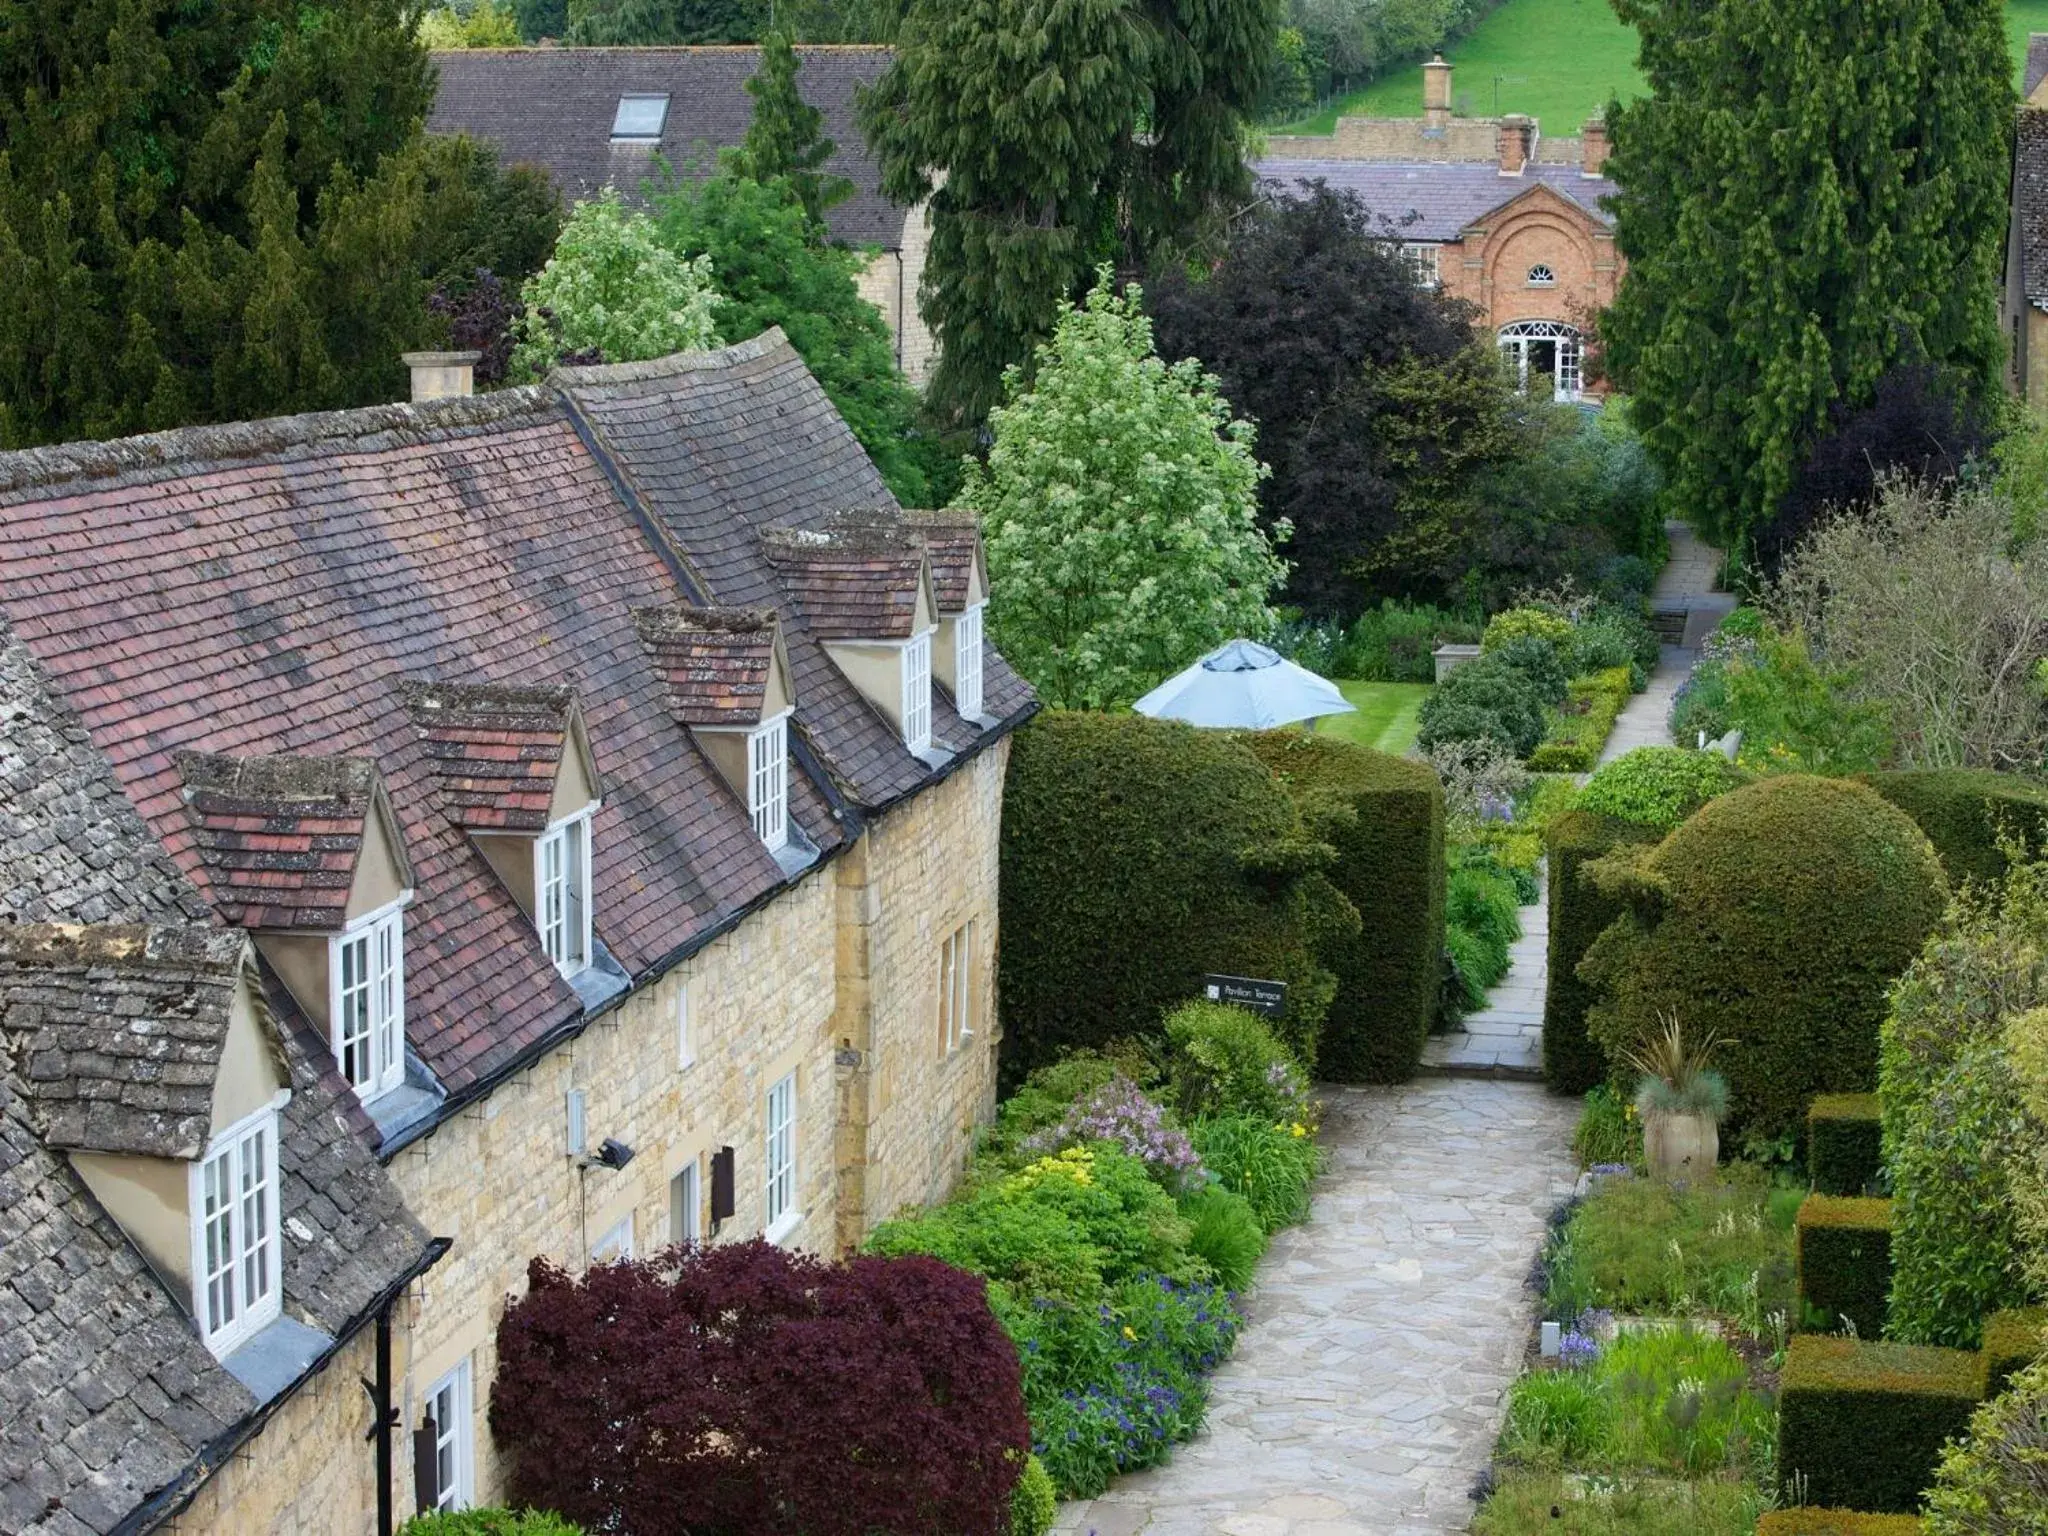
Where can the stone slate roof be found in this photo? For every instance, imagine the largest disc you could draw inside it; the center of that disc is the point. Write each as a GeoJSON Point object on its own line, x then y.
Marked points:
{"type": "Point", "coordinates": [724, 444]}
{"type": "Point", "coordinates": [2037, 63]}
{"type": "Point", "coordinates": [119, 1030]}
{"type": "Point", "coordinates": [278, 837]}
{"type": "Point", "coordinates": [496, 748]}
{"type": "Point", "coordinates": [853, 584]}
{"type": "Point", "coordinates": [553, 107]}
{"type": "Point", "coordinates": [2030, 202]}
{"type": "Point", "coordinates": [108, 1400]}
{"type": "Point", "coordinates": [714, 662]}
{"type": "Point", "coordinates": [952, 541]}
{"type": "Point", "coordinates": [1426, 201]}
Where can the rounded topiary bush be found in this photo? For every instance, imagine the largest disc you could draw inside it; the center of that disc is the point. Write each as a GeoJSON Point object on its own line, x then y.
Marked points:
{"type": "Point", "coordinates": [1483, 699]}
{"type": "Point", "coordinates": [1138, 856]}
{"type": "Point", "coordinates": [1658, 787]}
{"type": "Point", "coordinates": [1514, 624]}
{"type": "Point", "coordinates": [1994, 1481]}
{"type": "Point", "coordinates": [1775, 918]}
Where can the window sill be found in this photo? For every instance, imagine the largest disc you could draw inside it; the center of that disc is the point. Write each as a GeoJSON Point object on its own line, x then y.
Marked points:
{"type": "Point", "coordinates": [782, 1226]}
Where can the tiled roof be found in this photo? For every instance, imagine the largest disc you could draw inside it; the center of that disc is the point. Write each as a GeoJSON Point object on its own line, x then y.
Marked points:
{"type": "Point", "coordinates": [278, 837]}
{"type": "Point", "coordinates": [714, 662]}
{"type": "Point", "coordinates": [2037, 63]}
{"type": "Point", "coordinates": [1437, 201]}
{"type": "Point", "coordinates": [2030, 201]}
{"type": "Point", "coordinates": [952, 540]}
{"type": "Point", "coordinates": [497, 749]}
{"type": "Point", "coordinates": [119, 1030]}
{"type": "Point", "coordinates": [553, 107]}
{"type": "Point", "coordinates": [724, 444]}
{"type": "Point", "coordinates": [854, 583]}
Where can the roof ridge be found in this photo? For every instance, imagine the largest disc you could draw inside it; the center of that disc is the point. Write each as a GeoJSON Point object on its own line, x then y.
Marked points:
{"type": "Point", "coordinates": [25, 468]}
{"type": "Point", "coordinates": [676, 363]}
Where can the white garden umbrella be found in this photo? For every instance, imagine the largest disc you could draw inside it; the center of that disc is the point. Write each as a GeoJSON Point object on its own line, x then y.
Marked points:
{"type": "Point", "coordinates": [1243, 686]}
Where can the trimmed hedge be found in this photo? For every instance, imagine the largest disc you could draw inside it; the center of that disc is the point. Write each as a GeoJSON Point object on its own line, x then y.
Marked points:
{"type": "Point", "coordinates": [1139, 855]}
{"type": "Point", "coordinates": [1659, 787]}
{"type": "Point", "coordinates": [1385, 817]}
{"type": "Point", "coordinates": [2013, 1340]}
{"type": "Point", "coordinates": [1579, 913]}
{"type": "Point", "coordinates": [1963, 810]}
{"type": "Point", "coordinates": [1864, 1423]}
{"type": "Point", "coordinates": [1775, 918]}
{"type": "Point", "coordinates": [1575, 733]}
{"type": "Point", "coordinates": [1807, 1521]}
{"type": "Point", "coordinates": [1844, 1249]}
{"type": "Point", "coordinates": [1845, 1142]}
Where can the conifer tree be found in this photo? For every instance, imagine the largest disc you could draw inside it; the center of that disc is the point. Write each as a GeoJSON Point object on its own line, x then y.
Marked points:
{"type": "Point", "coordinates": [1052, 138]}
{"type": "Point", "coordinates": [1810, 191]}
{"type": "Point", "coordinates": [785, 139]}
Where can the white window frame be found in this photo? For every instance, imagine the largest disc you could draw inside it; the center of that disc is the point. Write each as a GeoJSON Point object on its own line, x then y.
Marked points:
{"type": "Point", "coordinates": [379, 982]}
{"type": "Point", "coordinates": [917, 691]}
{"type": "Point", "coordinates": [768, 781]}
{"type": "Point", "coordinates": [615, 1242]}
{"type": "Point", "coordinates": [454, 1437]}
{"type": "Point", "coordinates": [957, 991]}
{"type": "Point", "coordinates": [779, 1214]}
{"type": "Point", "coordinates": [1542, 275]}
{"type": "Point", "coordinates": [559, 926]}
{"type": "Point", "coordinates": [967, 661]}
{"type": "Point", "coordinates": [1568, 359]}
{"type": "Point", "coordinates": [686, 1042]}
{"type": "Point", "coordinates": [251, 1284]}
{"type": "Point", "coordinates": [1422, 260]}
{"type": "Point", "coordinates": [686, 1203]}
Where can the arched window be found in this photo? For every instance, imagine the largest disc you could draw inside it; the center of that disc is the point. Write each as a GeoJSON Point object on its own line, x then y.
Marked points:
{"type": "Point", "coordinates": [1540, 276]}
{"type": "Point", "coordinates": [1540, 349]}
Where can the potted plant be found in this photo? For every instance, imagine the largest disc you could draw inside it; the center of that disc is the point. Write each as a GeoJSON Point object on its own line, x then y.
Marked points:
{"type": "Point", "coordinates": [1681, 1100]}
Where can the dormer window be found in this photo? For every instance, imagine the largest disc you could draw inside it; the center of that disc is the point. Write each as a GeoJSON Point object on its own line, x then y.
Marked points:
{"type": "Point", "coordinates": [967, 662]}
{"type": "Point", "coordinates": [952, 541]}
{"type": "Point", "coordinates": [561, 884]}
{"type": "Point", "coordinates": [917, 692]}
{"type": "Point", "coordinates": [235, 1252]}
{"type": "Point", "coordinates": [639, 119]}
{"type": "Point", "coordinates": [366, 972]}
{"type": "Point", "coordinates": [768, 781]}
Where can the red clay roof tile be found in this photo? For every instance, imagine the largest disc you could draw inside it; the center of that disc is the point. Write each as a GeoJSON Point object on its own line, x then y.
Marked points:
{"type": "Point", "coordinates": [714, 662]}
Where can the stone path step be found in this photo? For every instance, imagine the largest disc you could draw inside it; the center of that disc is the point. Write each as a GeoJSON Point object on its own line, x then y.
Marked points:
{"type": "Point", "coordinates": [1505, 1038]}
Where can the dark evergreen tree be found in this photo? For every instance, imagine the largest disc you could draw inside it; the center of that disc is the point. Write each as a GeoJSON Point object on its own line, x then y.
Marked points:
{"type": "Point", "coordinates": [786, 138]}
{"type": "Point", "coordinates": [541, 18]}
{"type": "Point", "coordinates": [1810, 189]}
{"type": "Point", "coordinates": [653, 23]}
{"type": "Point", "coordinates": [1053, 138]}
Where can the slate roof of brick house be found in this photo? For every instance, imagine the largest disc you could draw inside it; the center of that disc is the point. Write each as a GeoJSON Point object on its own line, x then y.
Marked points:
{"type": "Point", "coordinates": [278, 838]}
{"type": "Point", "coordinates": [1437, 200]}
{"type": "Point", "coordinates": [714, 662]}
{"type": "Point", "coordinates": [496, 748]}
{"type": "Point", "coordinates": [553, 107]}
{"type": "Point", "coordinates": [108, 1400]}
{"type": "Point", "coordinates": [952, 540]}
{"type": "Point", "coordinates": [2030, 202]}
{"type": "Point", "coordinates": [120, 1029]}
{"type": "Point", "coordinates": [724, 444]}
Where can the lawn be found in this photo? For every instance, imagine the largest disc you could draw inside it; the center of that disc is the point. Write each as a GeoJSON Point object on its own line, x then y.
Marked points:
{"type": "Point", "coordinates": [1558, 61]}
{"type": "Point", "coordinates": [1385, 717]}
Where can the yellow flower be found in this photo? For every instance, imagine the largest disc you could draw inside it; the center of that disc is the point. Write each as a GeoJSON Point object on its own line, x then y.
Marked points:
{"type": "Point", "coordinates": [1300, 1129]}
{"type": "Point", "coordinates": [1130, 1335]}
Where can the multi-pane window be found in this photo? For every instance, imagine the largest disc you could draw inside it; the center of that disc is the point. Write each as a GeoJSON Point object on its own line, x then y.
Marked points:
{"type": "Point", "coordinates": [779, 1184]}
{"type": "Point", "coordinates": [1419, 258]}
{"type": "Point", "coordinates": [768, 781]}
{"type": "Point", "coordinates": [1540, 276]}
{"type": "Point", "coordinates": [452, 1409]}
{"type": "Point", "coordinates": [561, 894]}
{"type": "Point", "coordinates": [686, 1205]}
{"type": "Point", "coordinates": [956, 988]}
{"type": "Point", "coordinates": [616, 1244]}
{"type": "Point", "coordinates": [917, 692]}
{"type": "Point", "coordinates": [234, 1240]}
{"type": "Point", "coordinates": [366, 1005]}
{"type": "Point", "coordinates": [967, 661]}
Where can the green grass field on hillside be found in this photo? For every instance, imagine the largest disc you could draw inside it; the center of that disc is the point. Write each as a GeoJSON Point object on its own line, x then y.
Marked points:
{"type": "Point", "coordinates": [1385, 718]}
{"type": "Point", "coordinates": [1558, 61]}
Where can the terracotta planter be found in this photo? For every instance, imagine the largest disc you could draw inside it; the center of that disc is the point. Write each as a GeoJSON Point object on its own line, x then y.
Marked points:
{"type": "Point", "coordinates": [1680, 1146]}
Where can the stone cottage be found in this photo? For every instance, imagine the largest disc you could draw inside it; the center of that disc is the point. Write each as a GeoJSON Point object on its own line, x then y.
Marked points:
{"type": "Point", "coordinates": [596, 785]}
{"type": "Point", "coordinates": [1487, 210]}
{"type": "Point", "coordinates": [597, 117]}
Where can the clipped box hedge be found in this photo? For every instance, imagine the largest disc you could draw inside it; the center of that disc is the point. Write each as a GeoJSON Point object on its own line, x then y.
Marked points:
{"type": "Point", "coordinates": [1844, 1142]}
{"type": "Point", "coordinates": [1807, 1521]}
{"type": "Point", "coordinates": [2013, 1340]}
{"type": "Point", "coordinates": [1572, 1062]}
{"type": "Point", "coordinates": [1385, 817]}
{"type": "Point", "coordinates": [1845, 1259]}
{"type": "Point", "coordinates": [1963, 810]}
{"type": "Point", "coordinates": [1863, 1423]}
{"type": "Point", "coordinates": [1575, 733]}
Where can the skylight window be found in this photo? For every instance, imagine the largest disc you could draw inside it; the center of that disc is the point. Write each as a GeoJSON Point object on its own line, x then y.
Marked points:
{"type": "Point", "coordinates": [639, 119]}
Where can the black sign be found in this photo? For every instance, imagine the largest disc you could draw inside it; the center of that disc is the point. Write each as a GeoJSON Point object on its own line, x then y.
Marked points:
{"type": "Point", "coordinates": [1262, 997]}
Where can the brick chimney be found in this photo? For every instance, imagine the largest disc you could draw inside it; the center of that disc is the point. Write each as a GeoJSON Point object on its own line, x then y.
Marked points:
{"type": "Point", "coordinates": [1436, 94]}
{"type": "Point", "coordinates": [440, 375]}
{"type": "Point", "coordinates": [1593, 147]}
{"type": "Point", "coordinates": [1517, 137]}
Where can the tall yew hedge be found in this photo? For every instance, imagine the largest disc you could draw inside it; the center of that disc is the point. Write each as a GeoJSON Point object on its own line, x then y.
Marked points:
{"type": "Point", "coordinates": [1385, 817]}
{"type": "Point", "coordinates": [1579, 913]}
{"type": "Point", "coordinates": [1965, 812]}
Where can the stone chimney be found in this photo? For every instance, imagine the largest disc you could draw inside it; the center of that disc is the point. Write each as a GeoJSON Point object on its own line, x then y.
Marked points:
{"type": "Point", "coordinates": [1517, 138]}
{"type": "Point", "coordinates": [441, 375]}
{"type": "Point", "coordinates": [1436, 94]}
{"type": "Point", "coordinates": [1593, 147]}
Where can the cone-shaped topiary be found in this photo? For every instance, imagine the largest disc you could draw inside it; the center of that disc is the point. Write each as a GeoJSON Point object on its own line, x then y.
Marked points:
{"type": "Point", "coordinates": [1775, 918]}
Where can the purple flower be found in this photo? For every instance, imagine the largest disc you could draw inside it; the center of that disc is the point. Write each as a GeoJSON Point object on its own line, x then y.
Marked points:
{"type": "Point", "coordinates": [1119, 1112]}
{"type": "Point", "coordinates": [1577, 1349]}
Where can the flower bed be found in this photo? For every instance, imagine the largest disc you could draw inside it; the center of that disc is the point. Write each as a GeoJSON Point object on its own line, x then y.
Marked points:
{"type": "Point", "coordinates": [1575, 731]}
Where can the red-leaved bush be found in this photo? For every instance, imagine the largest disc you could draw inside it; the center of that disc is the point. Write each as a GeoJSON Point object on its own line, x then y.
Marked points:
{"type": "Point", "coordinates": [741, 1390]}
